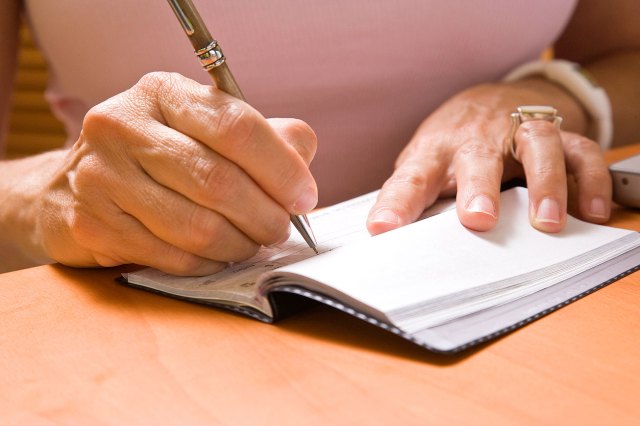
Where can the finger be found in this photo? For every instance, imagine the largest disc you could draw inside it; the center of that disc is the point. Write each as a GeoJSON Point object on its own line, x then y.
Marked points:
{"type": "Point", "coordinates": [237, 132]}
{"type": "Point", "coordinates": [181, 223]}
{"type": "Point", "coordinates": [298, 134]}
{"type": "Point", "coordinates": [102, 231]}
{"type": "Point", "coordinates": [146, 249]}
{"type": "Point", "coordinates": [478, 169]}
{"type": "Point", "coordinates": [539, 147]}
{"type": "Point", "coordinates": [209, 180]}
{"type": "Point", "coordinates": [414, 185]}
{"type": "Point", "coordinates": [586, 163]}
{"type": "Point", "coordinates": [167, 215]}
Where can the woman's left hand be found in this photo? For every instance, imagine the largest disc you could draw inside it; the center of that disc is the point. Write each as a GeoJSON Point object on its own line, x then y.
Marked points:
{"type": "Point", "coordinates": [463, 149]}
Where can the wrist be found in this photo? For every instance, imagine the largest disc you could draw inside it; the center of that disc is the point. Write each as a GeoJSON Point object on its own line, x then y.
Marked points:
{"type": "Point", "coordinates": [24, 183]}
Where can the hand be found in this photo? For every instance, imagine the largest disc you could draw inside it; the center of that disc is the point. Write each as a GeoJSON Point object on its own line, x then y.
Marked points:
{"type": "Point", "coordinates": [178, 176]}
{"type": "Point", "coordinates": [463, 148]}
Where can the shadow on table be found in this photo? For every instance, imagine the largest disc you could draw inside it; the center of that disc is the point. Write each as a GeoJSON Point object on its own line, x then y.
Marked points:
{"type": "Point", "coordinates": [318, 321]}
{"type": "Point", "coordinates": [332, 325]}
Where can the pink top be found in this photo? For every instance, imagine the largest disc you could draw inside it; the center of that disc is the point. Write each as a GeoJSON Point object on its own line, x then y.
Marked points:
{"type": "Point", "coordinates": [362, 74]}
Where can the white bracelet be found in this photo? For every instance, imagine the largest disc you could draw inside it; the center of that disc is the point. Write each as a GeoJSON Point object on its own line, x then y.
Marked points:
{"type": "Point", "coordinates": [576, 81]}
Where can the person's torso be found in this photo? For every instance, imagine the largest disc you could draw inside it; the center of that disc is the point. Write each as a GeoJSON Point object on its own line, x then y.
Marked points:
{"type": "Point", "coordinates": [362, 74]}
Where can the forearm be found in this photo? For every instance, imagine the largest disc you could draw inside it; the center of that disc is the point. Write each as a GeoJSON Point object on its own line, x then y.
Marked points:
{"type": "Point", "coordinates": [604, 38]}
{"type": "Point", "coordinates": [618, 75]}
{"type": "Point", "coordinates": [21, 183]}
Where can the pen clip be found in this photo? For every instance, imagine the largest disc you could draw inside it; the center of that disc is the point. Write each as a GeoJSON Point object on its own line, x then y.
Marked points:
{"type": "Point", "coordinates": [187, 26]}
{"type": "Point", "coordinates": [213, 61]}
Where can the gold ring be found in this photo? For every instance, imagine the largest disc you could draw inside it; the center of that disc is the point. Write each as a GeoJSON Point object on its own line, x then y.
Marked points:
{"type": "Point", "coordinates": [530, 113]}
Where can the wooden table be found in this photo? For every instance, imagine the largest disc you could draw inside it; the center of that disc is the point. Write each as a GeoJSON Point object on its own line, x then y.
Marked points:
{"type": "Point", "coordinates": [76, 347]}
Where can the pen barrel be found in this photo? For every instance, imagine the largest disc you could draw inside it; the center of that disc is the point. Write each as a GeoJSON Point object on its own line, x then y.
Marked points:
{"type": "Point", "coordinates": [224, 81]}
{"type": "Point", "coordinates": [206, 48]}
{"type": "Point", "coordinates": [214, 62]}
{"type": "Point", "coordinates": [192, 23]}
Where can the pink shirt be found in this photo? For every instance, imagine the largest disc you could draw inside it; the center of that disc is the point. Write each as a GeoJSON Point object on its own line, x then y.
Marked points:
{"type": "Point", "coordinates": [362, 74]}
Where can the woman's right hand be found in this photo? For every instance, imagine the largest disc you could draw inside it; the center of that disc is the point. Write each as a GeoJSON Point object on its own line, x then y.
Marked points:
{"type": "Point", "coordinates": [178, 176]}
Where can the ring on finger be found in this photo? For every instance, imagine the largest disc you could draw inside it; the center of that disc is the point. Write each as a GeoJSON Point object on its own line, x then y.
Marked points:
{"type": "Point", "coordinates": [530, 113]}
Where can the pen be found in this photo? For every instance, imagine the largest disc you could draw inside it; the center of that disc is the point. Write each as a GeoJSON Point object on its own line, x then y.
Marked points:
{"type": "Point", "coordinates": [214, 62]}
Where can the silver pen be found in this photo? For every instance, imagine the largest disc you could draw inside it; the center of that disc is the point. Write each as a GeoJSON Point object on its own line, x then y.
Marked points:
{"type": "Point", "coordinates": [214, 62]}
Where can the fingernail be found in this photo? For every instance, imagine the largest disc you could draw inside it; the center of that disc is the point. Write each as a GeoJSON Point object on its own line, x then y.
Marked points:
{"type": "Point", "coordinates": [307, 201]}
{"type": "Point", "coordinates": [598, 208]}
{"type": "Point", "coordinates": [548, 211]}
{"type": "Point", "coordinates": [482, 204]}
{"type": "Point", "coordinates": [386, 216]}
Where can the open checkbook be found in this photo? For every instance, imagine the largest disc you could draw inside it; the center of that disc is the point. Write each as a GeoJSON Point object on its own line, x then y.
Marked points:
{"type": "Point", "coordinates": [433, 282]}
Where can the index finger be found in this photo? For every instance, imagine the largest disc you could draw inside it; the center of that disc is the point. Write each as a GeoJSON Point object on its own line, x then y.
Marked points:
{"type": "Point", "coordinates": [241, 134]}
{"type": "Point", "coordinates": [413, 186]}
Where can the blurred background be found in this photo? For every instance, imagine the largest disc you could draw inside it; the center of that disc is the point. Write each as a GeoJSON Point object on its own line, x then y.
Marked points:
{"type": "Point", "coordinates": [32, 127]}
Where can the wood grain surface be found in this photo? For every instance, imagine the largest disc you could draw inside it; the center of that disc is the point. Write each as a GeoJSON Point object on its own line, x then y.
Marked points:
{"type": "Point", "coordinates": [78, 348]}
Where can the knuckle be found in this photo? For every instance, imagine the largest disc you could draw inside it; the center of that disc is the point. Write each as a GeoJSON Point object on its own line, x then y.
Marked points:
{"type": "Point", "coordinates": [82, 228]}
{"type": "Point", "coordinates": [100, 118]}
{"type": "Point", "coordinates": [431, 151]}
{"type": "Point", "coordinates": [594, 173]}
{"type": "Point", "coordinates": [469, 131]}
{"type": "Point", "coordinates": [476, 148]}
{"type": "Point", "coordinates": [185, 263]}
{"type": "Point", "coordinates": [214, 178]}
{"type": "Point", "coordinates": [162, 95]}
{"type": "Point", "coordinates": [306, 141]}
{"type": "Point", "coordinates": [398, 205]}
{"type": "Point", "coordinates": [579, 144]}
{"type": "Point", "coordinates": [114, 119]}
{"type": "Point", "coordinates": [151, 80]}
{"type": "Point", "coordinates": [157, 82]}
{"type": "Point", "coordinates": [538, 129]}
{"type": "Point", "coordinates": [157, 93]}
{"type": "Point", "coordinates": [203, 230]}
{"type": "Point", "coordinates": [147, 89]}
{"type": "Point", "coordinates": [409, 176]}
{"type": "Point", "coordinates": [480, 181]}
{"type": "Point", "coordinates": [234, 123]}
{"type": "Point", "coordinates": [547, 171]}
{"type": "Point", "coordinates": [208, 237]}
{"type": "Point", "coordinates": [403, 181]}
{"type": "Point", "coordinates": [88, 176]}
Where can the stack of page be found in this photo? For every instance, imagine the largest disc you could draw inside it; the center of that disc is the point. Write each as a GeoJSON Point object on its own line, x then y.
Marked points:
{"type": "Point", "coordinates": [434, 282]}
